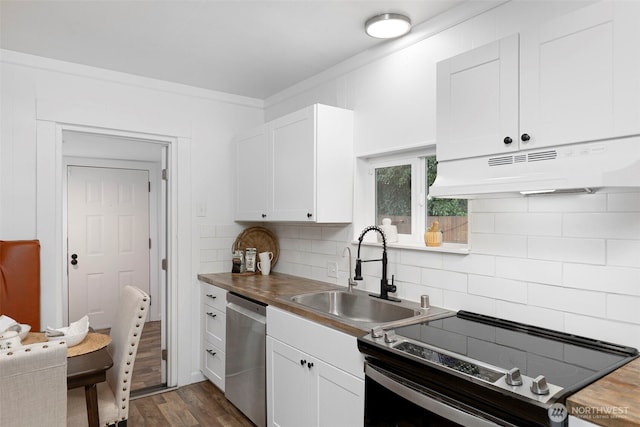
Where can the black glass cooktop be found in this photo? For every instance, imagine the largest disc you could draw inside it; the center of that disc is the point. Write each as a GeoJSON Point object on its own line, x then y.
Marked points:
{"type": "Point", "coordinates": [565, 360]}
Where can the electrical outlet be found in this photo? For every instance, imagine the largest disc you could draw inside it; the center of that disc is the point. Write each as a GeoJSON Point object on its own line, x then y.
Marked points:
{"type": "Point", "coordinates": [332, 269]}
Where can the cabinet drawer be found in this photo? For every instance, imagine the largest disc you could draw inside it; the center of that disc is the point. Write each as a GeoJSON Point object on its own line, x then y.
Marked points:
{"type": "Point", "coordinates": [214, 297]}
{"type": "Point", "coordinates": [214, 326]}
{"type": "Point", "coordinates": [213, 366]}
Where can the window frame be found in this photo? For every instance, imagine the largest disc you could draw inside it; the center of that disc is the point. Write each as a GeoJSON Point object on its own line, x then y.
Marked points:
{"type": "Point", "coordinates": [365, 200]}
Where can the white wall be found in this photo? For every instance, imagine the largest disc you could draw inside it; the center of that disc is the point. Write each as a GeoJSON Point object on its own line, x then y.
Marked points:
{"type": "Point", "coordinates": [570, 263]}
{"type": "Point", "coordinates": [40, 95]}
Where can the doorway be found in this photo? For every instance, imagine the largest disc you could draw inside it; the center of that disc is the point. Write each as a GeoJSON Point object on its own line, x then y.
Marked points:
{"type": "Point", "coordinates": [116, 204]}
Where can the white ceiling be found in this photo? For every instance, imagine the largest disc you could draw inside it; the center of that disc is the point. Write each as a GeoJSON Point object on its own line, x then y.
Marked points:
{"type": "Point", "coordinates": [250, 48]}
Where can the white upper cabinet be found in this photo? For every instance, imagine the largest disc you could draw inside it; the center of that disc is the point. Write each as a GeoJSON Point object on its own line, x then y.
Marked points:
{"type": "Point", "coordinates": [297, 168]}
{"type": "Point", "coordinates": [251, 170]}
{"type": "Point", "coordinates": [577, 78]}
{"type": "Point", "coordinates": [477, 98]}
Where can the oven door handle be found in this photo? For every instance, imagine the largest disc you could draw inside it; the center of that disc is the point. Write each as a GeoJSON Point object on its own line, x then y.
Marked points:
{"type": "Point", "coordinates": [424, 401]}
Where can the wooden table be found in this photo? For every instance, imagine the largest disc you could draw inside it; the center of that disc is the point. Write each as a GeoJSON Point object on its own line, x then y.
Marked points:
{"type": "Point", "coordinates": [84, 370]}
{"type": "Point", "coordinates": [87, 370]}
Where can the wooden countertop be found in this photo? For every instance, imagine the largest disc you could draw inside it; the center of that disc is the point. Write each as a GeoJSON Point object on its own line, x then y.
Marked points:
{"type": "Point", "coordinates": [612, 401]}
{"type": "Point", "coordinates": [269, 290]}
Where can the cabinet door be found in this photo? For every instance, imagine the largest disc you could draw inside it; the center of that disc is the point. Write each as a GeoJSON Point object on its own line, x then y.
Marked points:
{"type": "Point", "coordinates": [292, 177]}
{"type": "Point", "coordinates": [288, 381]}
{"type": "Point", "coordinates": [339, 397]}
{"type": "Point", "coordinates": [580, 76]}
{"type": "Point", "coordinates": [477, 101]}
{"type": "Point", "coordinates": [251, 176]}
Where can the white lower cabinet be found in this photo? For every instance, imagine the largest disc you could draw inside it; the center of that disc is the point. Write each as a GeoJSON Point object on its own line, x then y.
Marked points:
{"type": "Point", "coordinates": [213, 318]}
{"type": "Point", "coordinates": [312, 386]}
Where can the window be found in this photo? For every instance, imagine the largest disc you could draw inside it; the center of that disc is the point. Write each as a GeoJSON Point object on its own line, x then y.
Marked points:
{"type": "Point", "coordinates": [451, 214]}
{"type": "Point", "coordinates": [396, 187]}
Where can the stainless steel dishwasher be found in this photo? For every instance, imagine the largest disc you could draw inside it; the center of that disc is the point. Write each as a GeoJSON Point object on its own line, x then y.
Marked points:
{"type": "Point", "coordinates": [245, 378]}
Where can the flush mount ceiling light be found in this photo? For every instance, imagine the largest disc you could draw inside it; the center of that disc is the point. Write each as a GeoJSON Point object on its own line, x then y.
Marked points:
{"type": "Point", "coordinates": [387, 26]}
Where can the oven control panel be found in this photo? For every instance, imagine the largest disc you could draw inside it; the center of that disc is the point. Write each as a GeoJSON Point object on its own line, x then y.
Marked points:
{"type": "Point", "coordinates": [534, 389]}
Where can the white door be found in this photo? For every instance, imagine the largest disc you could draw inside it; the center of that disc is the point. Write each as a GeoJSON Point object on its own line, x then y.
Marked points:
{"type": "Point", "coordinates": [108, 239]}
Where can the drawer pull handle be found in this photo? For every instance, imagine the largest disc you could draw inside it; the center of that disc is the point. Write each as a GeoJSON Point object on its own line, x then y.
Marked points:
{"type": "Point", "coordinates": [212, 296]}
{"type": "Point", "coordinates": [211, 314]}
{"type": "Point", "coordinates": [211, 352]}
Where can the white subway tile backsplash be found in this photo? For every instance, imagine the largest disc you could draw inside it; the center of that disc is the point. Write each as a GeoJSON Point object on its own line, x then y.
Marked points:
{"type": "Point", "coordinates": [516, 204]}
{"type": "Point", "coordinates": [531, 315]}
{"type": "Point", "coordinates": [413, 291]}
{"type": "Point", "coordinates": [564, 262]}
{"type": "Point", "coordinates": [208, 255]}
{"type": "Point", "coordinates": [495, 244]}
{"type": "Point", "coordinates": [536, 224]}
{"type": "Point", "coordinates": [623, 308]}
{"type": "Point", "coordinates": [568, 203]}
{"type": "Point", "coordinates": [472, 263]}
{"type": "Point", "coordinates": [612, 331]}
{"type": "Point", "coordinates": [530, 270]}
{"type": "Point", "coordinates": [310, 232]}
{"type": "Point", "coordinates": [499, 289]}
{"type": "Point", "coordinates": [406, 273]}
{"type": "Point", "coordinates": [567, 299]}
{"type": "Point", "coordinates": [421, 259]}
{"type": "Point", "coordinates": [623, 202]}
{"type": "Point", "coordinates": [602, 225]}
{"type": "Point", "coordinates": [617, 280]}
{"type": "Point", "coordinates": [326, 247]}
{"type": "Point", "coordinates": [444, 279]}
{"type": "Point", "coordinates": [591, 251]}
{"type": "Point", "coordinates": [340, 234]}
{"type": "Point", "coordinates": [474, 303]}
{"type": "Point", "coordinates": [483, 223]}
{"type": "Point", "coordinates": [625, 253]}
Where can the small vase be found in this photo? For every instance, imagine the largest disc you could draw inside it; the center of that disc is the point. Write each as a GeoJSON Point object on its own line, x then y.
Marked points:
{"type": "Point", "coordinates": [433, 238]}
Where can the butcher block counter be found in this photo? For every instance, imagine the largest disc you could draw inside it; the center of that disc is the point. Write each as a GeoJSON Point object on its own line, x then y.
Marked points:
{"type": "Point", "coordinates": [269, 290]}
{"type": "Point", "coordinates": [612, 401]}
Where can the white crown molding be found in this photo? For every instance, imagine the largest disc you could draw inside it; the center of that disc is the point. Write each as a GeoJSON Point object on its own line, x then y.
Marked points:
{"type": "Point", "coordinates": [451, 18]}
{"type": "Point", "coordinates": [48, 64]}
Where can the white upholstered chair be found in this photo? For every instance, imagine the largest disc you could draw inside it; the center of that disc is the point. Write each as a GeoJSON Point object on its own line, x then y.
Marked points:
{"type": "Point", "coordinates": [33, 385]}
{"type": "Point", "coordinates": [113, 395]}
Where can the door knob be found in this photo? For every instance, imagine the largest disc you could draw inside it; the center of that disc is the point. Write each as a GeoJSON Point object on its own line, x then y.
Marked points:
{"type": "Point", "coordinates": [525, 137]}
{"type": "Point", "coordinates": [74, 259]}
{"type": "Point", "coordinates": [507, 140]}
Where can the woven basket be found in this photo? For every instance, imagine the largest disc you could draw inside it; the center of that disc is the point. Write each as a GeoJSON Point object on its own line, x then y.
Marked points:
{"type": "Point", "coordinates": [260, 238]}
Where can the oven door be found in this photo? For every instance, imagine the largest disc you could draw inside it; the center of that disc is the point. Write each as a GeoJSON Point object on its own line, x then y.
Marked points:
{"type": "Point", "coordinates": [394, 401]}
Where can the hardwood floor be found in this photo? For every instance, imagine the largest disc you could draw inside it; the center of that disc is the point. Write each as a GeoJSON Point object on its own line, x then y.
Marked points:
{"type": "Point", "coordinates": [199, 404]}
{"type": "Point", "coordinates": [147, 371]}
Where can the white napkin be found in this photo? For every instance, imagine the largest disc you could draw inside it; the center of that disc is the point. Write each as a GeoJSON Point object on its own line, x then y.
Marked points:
{"type": "Point", "coordinates": [75, 328]}
{"type": "Point", "coordinates": [6, 322]}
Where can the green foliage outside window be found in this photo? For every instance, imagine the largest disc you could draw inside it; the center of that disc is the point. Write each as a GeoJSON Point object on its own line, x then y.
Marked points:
{"type": "Point", "coordinates": [393, 191]}
{"type": "Point", "coordinates": [442, 207]}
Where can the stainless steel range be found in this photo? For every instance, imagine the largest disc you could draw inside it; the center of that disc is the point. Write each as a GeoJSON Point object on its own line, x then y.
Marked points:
{"type": "Point", "coordinates": [475, 370]}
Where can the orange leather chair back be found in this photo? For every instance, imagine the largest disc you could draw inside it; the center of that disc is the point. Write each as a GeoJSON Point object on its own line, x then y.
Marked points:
{"type": "Point", "coordinates": [20, 281]}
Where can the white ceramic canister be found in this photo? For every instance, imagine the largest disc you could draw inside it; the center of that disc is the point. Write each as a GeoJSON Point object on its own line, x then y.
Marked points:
{"type": "Point", "coordinates": [390, 231]}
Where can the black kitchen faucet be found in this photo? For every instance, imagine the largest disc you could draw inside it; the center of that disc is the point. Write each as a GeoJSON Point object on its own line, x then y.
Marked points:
{"type": "Point", "coordinates": [385, 287]}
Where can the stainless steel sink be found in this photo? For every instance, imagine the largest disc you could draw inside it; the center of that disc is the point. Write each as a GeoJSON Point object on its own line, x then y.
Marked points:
{"type": "Point", "coordinates": [358, 308]}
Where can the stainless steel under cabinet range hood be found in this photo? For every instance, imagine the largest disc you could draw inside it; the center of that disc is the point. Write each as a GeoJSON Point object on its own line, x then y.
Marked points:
{"type": "Point", "coordinates": [578, 167]}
